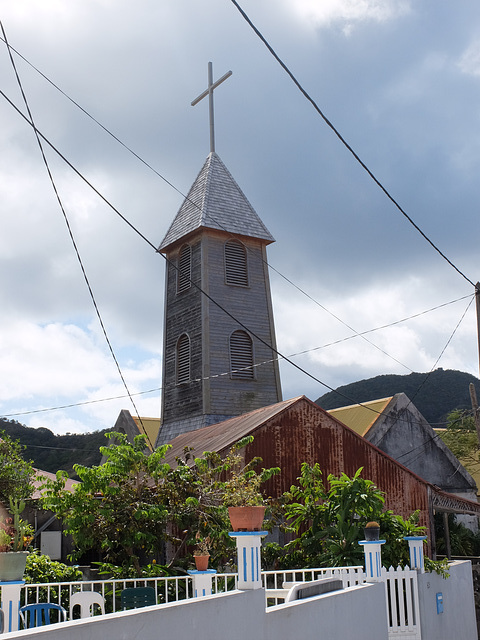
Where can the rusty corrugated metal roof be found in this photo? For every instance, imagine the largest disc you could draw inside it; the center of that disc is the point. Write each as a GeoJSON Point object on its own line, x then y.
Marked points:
{"type": "Point", "coordinates": [221, 436]}
{"type": "Point", "coordinates": [361, 417]}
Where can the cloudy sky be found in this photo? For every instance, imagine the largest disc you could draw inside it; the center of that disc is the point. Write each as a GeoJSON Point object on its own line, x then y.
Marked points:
{"type": "Point", "coordinates": [400, 80]}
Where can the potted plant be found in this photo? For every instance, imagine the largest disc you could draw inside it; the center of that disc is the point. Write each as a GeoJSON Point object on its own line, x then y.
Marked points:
{"type": "Point", "coordinates": [201, 553]}
{"type": "Point", "coordinates": [15, 538]}
{"type": "Point", "coordinates": [241, 490]}
{"type": "Point", "coordinates": [372, 531]}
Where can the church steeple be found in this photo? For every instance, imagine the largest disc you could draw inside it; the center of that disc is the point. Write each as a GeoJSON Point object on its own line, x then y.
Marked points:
{"type": "Point", "coordinates": [219, 337]}
{"type": "Point", "coordinates": [215, 201]}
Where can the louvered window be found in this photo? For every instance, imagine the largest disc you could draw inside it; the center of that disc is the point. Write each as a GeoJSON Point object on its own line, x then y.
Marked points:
{"type": "Point", "coordinates": [236, 271]}
{"type": "Point", "coordinates": [184, 273]}
{"type": "Point", "coordinates": [183, 359]}
{"type": "Point", "coordinates": [241, 355]}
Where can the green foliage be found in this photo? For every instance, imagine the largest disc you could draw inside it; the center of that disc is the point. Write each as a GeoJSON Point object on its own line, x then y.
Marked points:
{"type": "Point", "coordinates": [436, 394]}
{"type": "Point", "coordinates": [329, 523]}
{"type": "Point", "coordinates": [242, 486]}
{"type": "Point", "coordinates": [40, 568]}
{"type": "Point", "coordinates": [393, 529]}
{"type": "Point", "coordinates": [15, 534]}
{"type": "Point", "coordinates": [51, 452]}
{"type": "Point", "coordinates": [16, 474]}
{"type": "Point", "coordinates": [463, 541]}
{"type": "Point", "coordinates": [119, 507]}
{"type": "Point", "coordinates": [461, 438]}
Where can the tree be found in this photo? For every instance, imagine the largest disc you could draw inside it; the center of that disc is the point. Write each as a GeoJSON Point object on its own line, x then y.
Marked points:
{"type": "Point", "coordinates": [16, 474]}
{"type": "Point", "coordinates": [461, 438]}
{"type": "Point", "coordinates": [329, 523]}
{"type": "Point", "coordinates": [120, 507]}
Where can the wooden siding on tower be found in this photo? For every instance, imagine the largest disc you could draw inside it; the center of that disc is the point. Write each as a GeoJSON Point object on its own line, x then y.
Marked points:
{"type": "Point", "coordinates": [183, 315]}
{"type": "Point", "coordinates": [251, 306]}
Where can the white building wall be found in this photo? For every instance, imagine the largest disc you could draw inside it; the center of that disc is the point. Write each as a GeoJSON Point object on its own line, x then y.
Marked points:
{"type": "Point", "coordinates": [356, 612]}
{"type": "Point", "coordinates": [458, 617]}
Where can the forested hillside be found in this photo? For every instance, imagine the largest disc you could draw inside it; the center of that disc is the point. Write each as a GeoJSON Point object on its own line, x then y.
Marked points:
{"type": "Point", "coordinates": [50, 452]}
{"type": "Point", "coordinates": [435, 395]}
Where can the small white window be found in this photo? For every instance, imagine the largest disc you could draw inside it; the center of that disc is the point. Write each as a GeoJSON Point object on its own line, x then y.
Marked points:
{"type": "Point", "coordinates": [183, 359]}
{"type": "Point", "coordinates": [241, 355]}
{"type": "Point", "coordinates": [184, 268]}
{"type": "Point", "coordinates": [236, 271]}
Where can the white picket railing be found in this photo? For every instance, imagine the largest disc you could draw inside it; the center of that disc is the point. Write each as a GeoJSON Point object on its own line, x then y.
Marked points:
{"type": "Point", "coordinates": [402, 603]}
{"type": "Point", "coordinates": [273, 580]}
{"type": "Point", "coordinates": [400, 586]}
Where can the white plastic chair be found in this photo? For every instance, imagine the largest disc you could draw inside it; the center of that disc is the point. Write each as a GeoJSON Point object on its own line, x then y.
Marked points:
{"type": "Point", "coordinates": [86, 600]}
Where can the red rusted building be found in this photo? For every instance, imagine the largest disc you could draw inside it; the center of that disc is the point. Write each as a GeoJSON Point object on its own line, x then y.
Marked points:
{"type": "Point", "coordinates": [294, 431]}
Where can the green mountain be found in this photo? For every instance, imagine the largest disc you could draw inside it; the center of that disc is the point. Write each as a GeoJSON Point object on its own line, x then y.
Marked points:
{"type": "Point", "coordinates": [434, 394]}
{"type": "Point", "coordinates": [50, 452]}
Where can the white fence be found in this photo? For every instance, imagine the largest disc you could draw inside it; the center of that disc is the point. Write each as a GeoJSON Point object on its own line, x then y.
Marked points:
{"type": "Point", "coordinates": [403, 610]}
{"type": "Point", "coordinates": [170, 589]}
{"type": "Point", "coordinates": [400, 585]}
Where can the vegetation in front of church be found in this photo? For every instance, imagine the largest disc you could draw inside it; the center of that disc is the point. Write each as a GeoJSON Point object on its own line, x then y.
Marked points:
{"type": "Point", "coordinates": [16, 473]}
{"type": "Point", "coordinates": [461, 438]}
{"type": "Point", "coordinates": [133, 505]}
{"type": "Point", "coordinates": [40, 569]}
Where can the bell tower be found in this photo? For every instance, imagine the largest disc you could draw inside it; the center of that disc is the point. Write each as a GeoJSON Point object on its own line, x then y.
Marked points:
{"type": "Point", "coordinates": [219, 337]}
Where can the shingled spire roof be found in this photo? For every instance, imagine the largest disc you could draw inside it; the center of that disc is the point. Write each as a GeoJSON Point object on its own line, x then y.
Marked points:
{"type": "Point", "coordinates": [215, 201]}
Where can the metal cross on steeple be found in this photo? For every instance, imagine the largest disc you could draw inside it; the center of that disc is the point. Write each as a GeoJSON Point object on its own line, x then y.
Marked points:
{"type": "Point", "coordinates": [209, 92]}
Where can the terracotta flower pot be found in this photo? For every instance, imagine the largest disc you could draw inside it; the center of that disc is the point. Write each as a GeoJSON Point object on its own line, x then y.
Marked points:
{"type": "Point", "coordinates": [201, 562]}
{"type": "Point", "coordinates": [246, 518]}
{"type": "Point", "coordinates": [12, 565]}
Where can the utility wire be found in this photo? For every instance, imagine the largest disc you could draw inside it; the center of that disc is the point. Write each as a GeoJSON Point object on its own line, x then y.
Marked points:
{"type": "Point", "coordinates": [292, 355]}
{"type": "Point", "coordinates": [38, 133]}
{"type": "Point", "coordinates": [67, 222]}
{"type": "Point", "coordinates": [194, 204]}
{"type": "Point", "coordinates": [149, 166]}
{"type": "Point", "coordinates": [344, 142]}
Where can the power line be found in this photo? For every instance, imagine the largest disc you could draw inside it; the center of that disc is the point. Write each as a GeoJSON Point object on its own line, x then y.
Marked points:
{"type": "Point", "coordinates": [291, 355]}
{"type": "Point", "coordinates": [69, 228]}
{"type": "Point", "coordinates": [38, 133]}
{"type": "Point", "coordinates": [186, 198]}
{"type": "Point", "coordinates": [344, 142]}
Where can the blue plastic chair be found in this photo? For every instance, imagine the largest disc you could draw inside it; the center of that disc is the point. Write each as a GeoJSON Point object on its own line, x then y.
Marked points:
{"type": "Point", "coordinates": [38, 615]}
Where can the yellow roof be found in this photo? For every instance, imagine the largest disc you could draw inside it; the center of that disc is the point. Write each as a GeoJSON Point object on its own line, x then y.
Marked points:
{"type": "Point", "coordinates": [360, 417]}
{"type": "Point", "coordinates": [150, 428]}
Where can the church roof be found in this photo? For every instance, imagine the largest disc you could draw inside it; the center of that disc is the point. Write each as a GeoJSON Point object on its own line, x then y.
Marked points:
{"type": "Point", "coordinates": [215, 201]}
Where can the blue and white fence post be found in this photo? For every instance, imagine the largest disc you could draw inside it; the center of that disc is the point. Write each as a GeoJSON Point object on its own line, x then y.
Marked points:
{"type": "Point", "coordinates": [249, 562]}
{"type": "Point", "coordinates": [373, 559]}
{"type": "Point", "coordinates": [415, 547]}
{"type": "Point", "coordinates": [11, 604]}
{"type": "Point", "coordinates": [202, 582]}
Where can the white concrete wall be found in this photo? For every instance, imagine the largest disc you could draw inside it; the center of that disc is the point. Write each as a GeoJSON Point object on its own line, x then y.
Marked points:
{"type": "Point", "coordinates": [458, 617]}
{"type": "Point", "coordinates": [211, 618]}
{"type": "Point", "coordinates": [356, 612]}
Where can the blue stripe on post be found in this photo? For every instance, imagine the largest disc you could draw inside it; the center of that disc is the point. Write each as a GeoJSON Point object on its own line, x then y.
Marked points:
{"type": "Point", "coordinates": [252, 559]}
{"type": "Point", "coordinates": [244, 564]}
{"type": "Point", "coordinates": [371, 564]}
